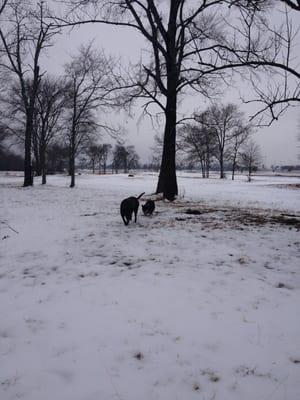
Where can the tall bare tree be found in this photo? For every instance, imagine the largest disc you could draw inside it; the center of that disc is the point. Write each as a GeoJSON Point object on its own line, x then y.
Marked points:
{"type": "Point", "coordinates": [105, 150]}
{"type": "Point", "coordinates": [92, 152]}
{"type": "Point", "coordinates": [250, 157]}
{"type": "Point", "coordinates": [24, 34]}
{"type": "Point", "coordinates": [49, 108]}
{"type": "Point", "coordinates": [184, 38]}
{"type": "Point", "coordinates": [125, 157]}
{"type": "Point", "coordinates": [196, 140]}
{"type": "Point", "coordinates": [241, 135]}
{"type": "Point", "coordinates": [89, 87]}
{"type": "Point", "coordinates": [224, 122]}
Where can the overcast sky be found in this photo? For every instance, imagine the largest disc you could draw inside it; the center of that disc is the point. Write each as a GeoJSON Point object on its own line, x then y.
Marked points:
{"type": "Point", "coordinates": [278, 142]}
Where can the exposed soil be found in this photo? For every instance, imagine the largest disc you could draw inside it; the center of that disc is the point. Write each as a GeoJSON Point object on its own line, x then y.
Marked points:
{"type": "Point", "coordinates": [233, 217]}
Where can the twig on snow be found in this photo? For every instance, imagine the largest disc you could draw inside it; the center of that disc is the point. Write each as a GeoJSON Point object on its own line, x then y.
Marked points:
{"type": "Point", "coordinates": [5, 223]}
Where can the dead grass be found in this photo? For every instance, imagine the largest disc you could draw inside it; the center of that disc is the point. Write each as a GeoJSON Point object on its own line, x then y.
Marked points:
{"type": "Point", "coordinates": [230, 217]}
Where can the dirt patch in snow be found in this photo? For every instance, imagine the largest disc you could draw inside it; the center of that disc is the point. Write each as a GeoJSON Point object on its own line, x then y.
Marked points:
{"type": "Point", "coordinates": [231, 217]}
{"type": "Point", "coordinates": [294, 186]}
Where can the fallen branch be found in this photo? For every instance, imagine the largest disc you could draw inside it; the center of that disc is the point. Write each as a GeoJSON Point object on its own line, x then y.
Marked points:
{"type": "Point", "coordinates": [12, 229]}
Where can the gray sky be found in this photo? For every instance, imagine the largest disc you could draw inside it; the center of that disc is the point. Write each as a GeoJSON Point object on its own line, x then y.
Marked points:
{"type": "Point", "coordinates": [278, 142]}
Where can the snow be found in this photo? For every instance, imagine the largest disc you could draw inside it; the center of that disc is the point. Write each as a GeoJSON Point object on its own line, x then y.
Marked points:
{"type": "Point", "coordinates": [176, 306]}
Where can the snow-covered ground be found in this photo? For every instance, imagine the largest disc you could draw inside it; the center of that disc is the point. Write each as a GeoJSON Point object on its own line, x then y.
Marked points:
{"type": "Point", "coordinates": [181, 306]}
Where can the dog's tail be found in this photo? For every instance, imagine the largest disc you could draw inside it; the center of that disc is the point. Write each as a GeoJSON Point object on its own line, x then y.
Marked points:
{"type": "Point", "coordinates": [140, 195]}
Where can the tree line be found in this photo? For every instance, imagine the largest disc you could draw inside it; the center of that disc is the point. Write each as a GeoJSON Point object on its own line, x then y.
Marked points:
{"type": "Point", "coordinates": [220, 134]}
{"type": "Point", "coordinates": [192, 47]}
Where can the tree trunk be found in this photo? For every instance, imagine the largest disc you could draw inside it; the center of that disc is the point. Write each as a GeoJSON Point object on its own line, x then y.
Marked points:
{"type": "Point", "coordinates": [43, 164]}
{"type": "Point", "coordinates": [221, 166]}
{"type": "Point", "coordinates": [250, 172]}
{"type": "Point", "coordinates": [28, 172]}
{"type": "Point", "coordinates": [233, 168]}
{"type": "Point", "coordinates": [167, 181]}
{"type": "Point", "coordinates": [202, 168]}
{"type": "Point", "coordinates": [125, 165]}
{"type": "Point", "coordinates": [207, 166]}
{"type": "Point", "coordinates": [72, 160]}
{"type": "Point", "coordinates": [37, 159]}
{"type": "Point", "coordinates": [233, 171]}
{"type": "Point", "coordinates": [72, 170]}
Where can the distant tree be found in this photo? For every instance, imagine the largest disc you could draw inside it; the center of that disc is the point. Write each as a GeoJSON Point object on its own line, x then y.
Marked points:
{"type": "Point", "coordinates": [105, 149]}
{"type": "Point", "coordinates": [49, 108]}
{"type": "Point", "coordinates": [118, 157]}
{"type": "Point", "coordinates": [92, 152]}
{"type": "Point", "coordinates": [156, 151]}
{"type": "Point", "coordinates": [132, 159]}
{"type": "Point", "coordinates": [10, 161]}
{"type": "Point", "coordinates": [89, 86]}
{"type": "Point", "coordinates": [3, 136]}
{"type": "Point", "coordinates": [24, 37]}
{"type": "Point", "coordinates": [223, 122]}
{"type": "Point", "coordinates": [250, 157]}
{"type": "Point", "coordinates": [98, 155]}
{"type": "Point", "coordinates": [198, 142]}
{"type": "Point", "coordinates": [125, 157]}
{"type": "Point", "coordinates": [241, 135]}
{"type": "Point", "coordinates": [57, 157]}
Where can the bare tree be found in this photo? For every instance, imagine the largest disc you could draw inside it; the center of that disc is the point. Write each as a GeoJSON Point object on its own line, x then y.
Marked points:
{"type": "Point", "coordinates": [98, 154]}
{"type": "Point", "coordinates": [183, 39]}
{"type": "Point", "coordinates": [132, 158]}
{"type": "Point", "coordinates": [105, 149]}
{"type": "Point", "coordinates": [198, 143]}
{"type": "Point", "coordinates": [250, 157]}
{"type": "Point", "coordinates": [57, 157]}
{"type": "Point", "coordinates": [49, 108]}
{"type": "Point", "coordinates": [93, 153]}
{"type": "Point", "coordinates": [223, 122]}
{"type": "Point", "coordinates": [24, 36]}
{"type": "Point", "coordinates": [156, 151]}
{"type": "Point", "coordinates": [89, 81]}
{"type": "Point", "coordinates": [240, 136]}
{"type": "Point", "coordinates": [237, 141]}
{"type": "Point", "coordinates": [125, 157]}
{"type": "Point", "coordinates": [118, 157]}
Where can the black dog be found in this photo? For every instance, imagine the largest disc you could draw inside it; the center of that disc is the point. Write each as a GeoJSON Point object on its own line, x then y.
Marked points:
{"type": "Point", "coordinates": [129, 206]}
{"type": "Point", "coordinates": [148, 207]}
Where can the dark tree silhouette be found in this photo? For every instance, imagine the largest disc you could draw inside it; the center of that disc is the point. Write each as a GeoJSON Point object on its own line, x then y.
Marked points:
{"type": "Point", "coordinates": [57, 158]}
{"type": "Point", "coordinates": [24, 37]}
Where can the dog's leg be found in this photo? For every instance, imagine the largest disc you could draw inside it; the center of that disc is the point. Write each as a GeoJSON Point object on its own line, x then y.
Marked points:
{"type": "Point", "coordinates": [126, 222]}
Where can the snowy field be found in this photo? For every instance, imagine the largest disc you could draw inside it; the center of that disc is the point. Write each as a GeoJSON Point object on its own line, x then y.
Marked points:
{"type": "Point", "coordinates": [199, 301]}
